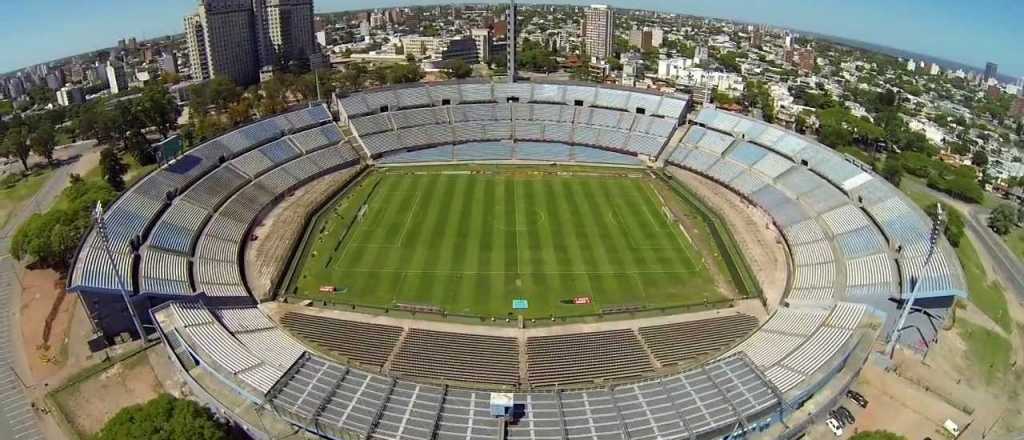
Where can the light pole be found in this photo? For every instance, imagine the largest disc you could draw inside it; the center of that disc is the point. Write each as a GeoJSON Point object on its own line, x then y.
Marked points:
{"type": "Point", "coordinates": [101, 226]}
{"type": "Point", "coordinates": [933, 240]}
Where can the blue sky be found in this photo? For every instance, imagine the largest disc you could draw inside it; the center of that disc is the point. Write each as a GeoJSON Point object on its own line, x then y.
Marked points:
{"type": "Point", "coordinates": [968, 31]}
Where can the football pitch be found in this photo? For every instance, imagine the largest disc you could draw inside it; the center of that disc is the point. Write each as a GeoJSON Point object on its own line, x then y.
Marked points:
{"type": "Point", "coordinates": [473, 242]}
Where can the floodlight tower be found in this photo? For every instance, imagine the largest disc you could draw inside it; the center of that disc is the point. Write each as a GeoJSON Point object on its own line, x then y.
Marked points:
{"type": "Point", "coordinates": [511, 42]}
{"type": "Point", "coordinates": [933, 241]}
{"type": "Point", "coordinates": [101, 226]}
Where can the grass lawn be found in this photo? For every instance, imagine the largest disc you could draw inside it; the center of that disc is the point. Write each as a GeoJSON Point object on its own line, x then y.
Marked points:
{"type": "Point", "coordinates": [988, 295]}
{"type": "Point", "coordinates": [988, 352]}
{"type": "Point", "coordinates": [470, 243]}
{"type": "Point", "coordinates": [12, 197]}
{"type": "Point", "coordinates": [1015, 241]}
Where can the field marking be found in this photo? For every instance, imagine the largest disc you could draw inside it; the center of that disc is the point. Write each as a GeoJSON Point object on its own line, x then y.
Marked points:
{"type": "Point", "coordinates": [498, 272]}
{"type": "Point", "coordinates": [405, 225]}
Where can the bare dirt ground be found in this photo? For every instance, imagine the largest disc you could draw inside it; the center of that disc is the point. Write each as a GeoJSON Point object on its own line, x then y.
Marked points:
{"type": "Point", "coordinates": [89, 404]}
{"type": "Point", "coordinates": [42, 295]}
{"type": "Point", "coordinates": [900, 406]}
{"type": "Point", "coordinates": [760, 242]}
{"type": "Point", "coordinates": [266, 257]}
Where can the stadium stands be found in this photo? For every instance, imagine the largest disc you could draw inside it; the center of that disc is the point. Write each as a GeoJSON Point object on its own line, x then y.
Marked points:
{"type": "Point", "coordinates": [180, 232]}
{"type": "Point", "coordinates": [343, 402]}
{"type": "Point", "coordinates": [605, 355]}
{"type": "Point", "coordinates": [458, 357]}
{"type": "Point", "coordinates": [685, 341]}
{"type": "Point", "coordinates": [619, 120]}
{"type": "Point", "coordinates": [368, 344]}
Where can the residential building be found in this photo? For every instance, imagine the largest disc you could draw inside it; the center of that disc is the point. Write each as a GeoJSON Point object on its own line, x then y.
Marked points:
{"type": "Point", "coordinates": [167, 62]}
{"type": "Point", "coordinates": [231, 44]}
{"type": "Point", "coordinates": [598, 31]}
{"type": "Point", "coordinates": [195, 40]}
{"type": "Point", "coordinates": [284, 31]}
{"type": "Point", "coordinates": [53, 81]}
{"type": "Point", "coordinates": [421, 46]}
{"type": "Point", "coordinates": [70, 95]}
{"type": "Point", "coordinates": [991, 70]}
{"type": "Point", "coordinates": [803, 58]}
{"type": "Point", "coordinates": [641, 39]}
{"type": "Point", "coordinates": [116, 77]}
{"type": "Point", "coordinates": [15, 88]}
{"type": "Point", "coordinates": [483, 43]}
{"type": "Point", "coordinates": [657, 37]}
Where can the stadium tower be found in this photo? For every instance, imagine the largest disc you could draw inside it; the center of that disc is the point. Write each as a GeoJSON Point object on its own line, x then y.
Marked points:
{"type": "Point", "coordinates": [511, 47]}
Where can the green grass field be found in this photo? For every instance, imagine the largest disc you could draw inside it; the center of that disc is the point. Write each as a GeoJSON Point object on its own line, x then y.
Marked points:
{"type": "Point", "coordinates": [470, 243]}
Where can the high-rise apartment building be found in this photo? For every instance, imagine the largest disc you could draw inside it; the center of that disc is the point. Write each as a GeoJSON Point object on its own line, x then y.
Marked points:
{"type": "Point", "coordinates": [236, 39]}
{"type": "Point", "coordinates": [483, 43]}
{"type": "Point", "coordinates": [229, 28]}
{"type": "Point", "coordinates": [195, 40]}
{"type": "Point", "coordinates": [285, 31]}
{"type": "Point", "coordinates": [116, 77]}
{"type": "Point", "coordinates": [598, 31]}
{"type": "Point", "coordinates": [991, 70]}
{"type": "Point", "coordinates": [70, 95]}
{"type": "Point", "coordinates": [641, 39]}
{"type": "Point", "coordinates": [657, 37]}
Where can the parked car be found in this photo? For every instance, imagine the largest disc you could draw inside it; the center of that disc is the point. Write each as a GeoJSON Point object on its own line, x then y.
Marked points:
{"type": "Point", "coordinates": [846, 415]}
{"type": "Point", "coordinates": [857, 397]}
{"type": "Point", "coordinates": [833, 414]}
{"type": "Point", "coordinates": [835, 426]}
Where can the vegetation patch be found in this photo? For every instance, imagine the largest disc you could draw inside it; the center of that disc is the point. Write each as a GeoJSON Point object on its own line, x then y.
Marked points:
{"type": "Point", "coordinates": [988, 352]}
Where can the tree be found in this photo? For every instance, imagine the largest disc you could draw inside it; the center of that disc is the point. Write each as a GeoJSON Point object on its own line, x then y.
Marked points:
{"type": "Point", "coordinates": [164, 417]}
{"type": "Point", "coordinates": [159, 108]}
{"type": "Point", "coordinates": [458, 69]}
{"type": "Point", "coordinates": [113, 169]}
{"type": "Point", "coordinates": [892, 171]}
{"type": "Point", "coordinates": [1003, 219]}
{"type": "Point", "coordinates": [16, 145]}
{"type": "Point", "coordinates": [877, 435]}
{"type": "Point", "coordinates": [979, 159]}
{"type": "Point", "coordinates": [50, 239]}
{"type": "Point", "coordinates": [43, 141]}
{"type": "Point", "coordinates": [954, 227]}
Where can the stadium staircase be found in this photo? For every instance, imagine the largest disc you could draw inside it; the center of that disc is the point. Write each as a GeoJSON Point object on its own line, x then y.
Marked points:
{"type": "Point", "coordinates": [650, 353]}
{"type": "Point", "coordinates": [386, 368]}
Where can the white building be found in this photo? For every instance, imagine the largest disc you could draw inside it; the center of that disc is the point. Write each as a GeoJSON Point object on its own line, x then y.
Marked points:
{"type": "Point", "coordinates": [116, 77]}
{"type": "Point", "coordinates": [70, 95]}
{"type": "Point", "coordinates": [195, 40]}
{"type": "Point", "coordinates": [911, 65]}
{"type": "Point", "coordinates": [483, 43]}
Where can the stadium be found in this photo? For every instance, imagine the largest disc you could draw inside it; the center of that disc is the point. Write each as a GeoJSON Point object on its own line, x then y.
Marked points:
{"type": "Point", "coordinates": [513, 260]}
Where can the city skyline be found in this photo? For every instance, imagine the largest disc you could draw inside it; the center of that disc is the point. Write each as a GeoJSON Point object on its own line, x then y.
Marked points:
{"type": "Point", "coordinates": [972, 34]}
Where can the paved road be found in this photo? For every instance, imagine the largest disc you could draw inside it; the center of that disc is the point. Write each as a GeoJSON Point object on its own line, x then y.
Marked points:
{"type": "Point", "coordinates": [1007, 267]}
{"type": "Point", "coordinates": [17, 418]}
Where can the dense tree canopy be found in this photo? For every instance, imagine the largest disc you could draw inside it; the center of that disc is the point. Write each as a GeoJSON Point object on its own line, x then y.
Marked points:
{"type": "Point", "coordinates": [164, 418]}
{"type": "Point", "coordinates": [458, 69]}
{"type": "Point", "coordinates": [1004, 218]}
{"type": "Point", "coordinates": [50, 239]}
